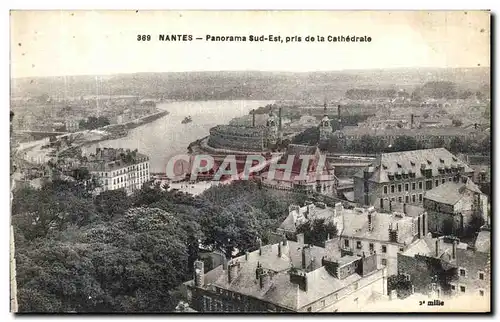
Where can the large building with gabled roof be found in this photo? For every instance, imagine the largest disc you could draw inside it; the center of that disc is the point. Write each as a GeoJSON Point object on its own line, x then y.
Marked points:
{"type": "Point", "coordinates": [404, 177]}
{"type": "Point", "coordinates": [288, 277]}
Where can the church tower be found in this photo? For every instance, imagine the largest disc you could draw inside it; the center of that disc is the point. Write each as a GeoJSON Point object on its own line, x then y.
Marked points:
{"type": "Point", "coordinates": [325, 128]}
{"type": "Point", "coordinates": [272, 130]}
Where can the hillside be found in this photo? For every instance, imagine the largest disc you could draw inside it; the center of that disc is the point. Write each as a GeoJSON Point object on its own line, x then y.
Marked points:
{"type": "Point", "coordinates": [247, 84]}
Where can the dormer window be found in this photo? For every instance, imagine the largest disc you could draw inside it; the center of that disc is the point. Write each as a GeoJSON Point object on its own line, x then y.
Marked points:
{"type": "Point", "coordinates": [412, 163]}
{"type": "Point", "coordinates": [454, 159]}
{"type": "Point", "coordinates": [429, 162]}
{"type": "Point", "coordinates": [399, 165]}
{"type": "Point", "coordinates": [441, 160]}
{"type": "Point", "coordinates": [384, 166]}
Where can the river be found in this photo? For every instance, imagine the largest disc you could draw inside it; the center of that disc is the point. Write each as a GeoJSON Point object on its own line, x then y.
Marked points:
{"type": "Point", "coordinates": [166, 136]}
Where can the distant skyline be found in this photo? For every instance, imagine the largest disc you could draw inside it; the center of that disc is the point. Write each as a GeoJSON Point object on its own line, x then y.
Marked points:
{"type": "Point", "coordinates": [72, 43]}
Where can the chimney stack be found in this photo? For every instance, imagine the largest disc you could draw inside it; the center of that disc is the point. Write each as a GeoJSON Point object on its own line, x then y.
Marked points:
{"type": "Point", "coordinates": [412, 120]}
{"type": "Point", "coordinates": [420, 230]}
{"type": "Point", "coordinates": [404, 208]}
{"type": "Point", "coordinates": [370, 224]}
{"type": "Point", "coordinates": [260, 246]}
{"type": "Point", "coordinates": [232, 271]}
{"type": "Point", "coordinates": [437, 247]}
{"type": "Point", "coordinates": [199, 273]}
{"type": "Point", "coordinates": [300, 239]}
{"type": "Point", "coordinates": [264, 279]}
{"type": "Point", "coordinates": [424, 224]}
{"type": "Point", "coordinates": [253, 118]}
{"type": "Point", "coordinates": [306, 256]}
{"type": "Point", "coordinates": [246, 255]}
{"type": "Point", "coordinates": [454, 250]}
{"type": "Point", "coordinates": [280, 252]}
{"type": "Point", "coordinates": [279, 118]}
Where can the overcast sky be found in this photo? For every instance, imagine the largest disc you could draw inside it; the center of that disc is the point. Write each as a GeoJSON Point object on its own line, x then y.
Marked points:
{"type": "Point", "coordinates": [52, 43]}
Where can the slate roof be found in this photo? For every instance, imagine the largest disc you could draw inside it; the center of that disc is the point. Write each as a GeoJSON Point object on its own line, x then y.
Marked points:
{"type": "Point", "coordinates": [294, 219]}
{"type": "Point", "coordinates": [427, 247]}
{"type": "Point", "coordinates": [406, 161]}
{"type": "Point", "coordinates": [356, 226]}
{"type": "Point", "coordinates": [483, 241]}
{"type": "Point", "coordinates": [450, 193]}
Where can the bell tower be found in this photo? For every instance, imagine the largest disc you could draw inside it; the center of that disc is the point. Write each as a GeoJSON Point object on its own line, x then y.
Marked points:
{"type": "Point", "coordinates": [272, 130]}
{"type": "Point", "coordinates": [325, 128]}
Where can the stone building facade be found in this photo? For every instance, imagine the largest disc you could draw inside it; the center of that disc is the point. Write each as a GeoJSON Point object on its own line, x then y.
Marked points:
{"type": "Point", "coordinates": [404, 177]}
{"type": "Point", "coordinates": [446, 267]}
{"type": "Point", "coordinates": [288, 277]}
{"type": "Point", "coordinates": [455, 207]}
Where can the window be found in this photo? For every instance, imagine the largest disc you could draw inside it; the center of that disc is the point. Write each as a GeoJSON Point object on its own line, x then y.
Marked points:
{"type": "Point", "coordinates": [385, 189]}
{"type": "Point", "coordinates": [453, 287]}
{"type": "Point", "coordinates": [384, 249]}
{"type": "Point", "coordinates": [359, 245]}
{"type": "Point", "coordinates": [462, 272]}
{"type": "Point", "coordinates": [393, 199]}
{"type": "Point", "coordinates": [392, 188]}
{"type": "Point", "coordinates": [481, 275]}
{"type": "Point", "coordinates": [356, 286]}
{"type": "Point", "coordinates": [436, 182]}
{"type": "Point", "coordinates": [371, 247]}
{"type": "Point", "coordinates": [443, 180]}
{"type": "Point", "coordinates": [346, 242]}
{"type": "Point", "coordinates": [400, 199]}
{"type": "Point", "coordinates": [412, 198]}
{"type": "Point", "coordinates": [413, 186]}
{"type": "Point", "coordinates": [428, 185]}
{"type": "Point", "coordinates": [450, 178]}
{"type": "Point", "coordinates": [481, 293]}
{"type": "Point", "coordinates": [462, 289]}
{"type": "Point", "coordinates": [323, 303]}
{"type": "Point", "coordinates": [309, 309]}
{"type": "Point", "coordinates": [384, 261]}
{"type": "Point", "coordinates": [420, 197]}
{"type": "Point", "coordinates": [407, 199]}
{"type": "Point", "coordinates": [420, 185]}
{"type": "Point", "coordinates": [381, 203]}
{"type": "Point", "coordinates": [407, 186]}
{"type": "Point", "coordinates": [399, 187]}
{"type": "Point", "coordinates": [401, 249]}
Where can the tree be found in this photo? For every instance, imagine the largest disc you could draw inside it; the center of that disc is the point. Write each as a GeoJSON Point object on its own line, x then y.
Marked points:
{"type": "Point", "coordinates": [316, 231]}
{"type": "Point", "coordinates": [457, 145]}
{"type": "Point", "coordinates": [405, 143]}
{"type": "Point", "coordinates": [401, 284]}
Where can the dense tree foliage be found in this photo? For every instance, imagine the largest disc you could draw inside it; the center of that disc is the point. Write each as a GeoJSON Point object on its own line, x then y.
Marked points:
{"type": "Point", "coordinates": [316, 231]}
{"type": "Point", "coordinates": [119, 253]}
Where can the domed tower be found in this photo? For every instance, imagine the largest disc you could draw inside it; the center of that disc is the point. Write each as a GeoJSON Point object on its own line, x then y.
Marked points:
{"type": "Point", "coordinates": [325, 128]}
{"type": "Point", "coordinates": [272, 129]}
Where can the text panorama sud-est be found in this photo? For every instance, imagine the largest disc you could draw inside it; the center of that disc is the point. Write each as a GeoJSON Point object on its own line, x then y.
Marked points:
{"type": "Point", "coordinates": [253, 38]}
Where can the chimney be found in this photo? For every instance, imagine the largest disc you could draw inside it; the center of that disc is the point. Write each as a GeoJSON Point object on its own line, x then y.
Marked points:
{"type": "Point", "coordinates": [260, 246]}
{"type": "Point", "coordinates": [412, 121]}
{"type": "Point", "coordinates": [424, 224]}
{"type": "Point", "coordinates": [306, 256]}
{"type": "Point", "coordinates": [370, 224]}
{"type": "Point", "coordinates": [300, 239]}
{"type": "Point", "coordinates": [232, 271]}
{"type": "Point", "coordinates": [264, 279]}
{"type": "Point", "coordinates": [224, 261]}
{"type": "Point", "coordinates": [437, 247]}
{"type": "Point", "coordinates": [390, 205]}
{"type": "Point", "coordinates": [454, 250]}
{"type": "Point", "coordinates": [404, 208]}
{"type": "Point", "coordinates": [258, 271]}
{"type": "Point", "coordinates": [253, 118]}
{"type": "Point", "coordinates": [279, 118]}
{"type": "Point", "coordinates": [285, 241]}
{"type": "Point", "coordinates": [246, 255]}
{"type": "Point", "coordinates": [199, 274]}
{"type": "Point", "coordinates": [420, 227]}
{"type": "Point", "coordinates": [280, 252]}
